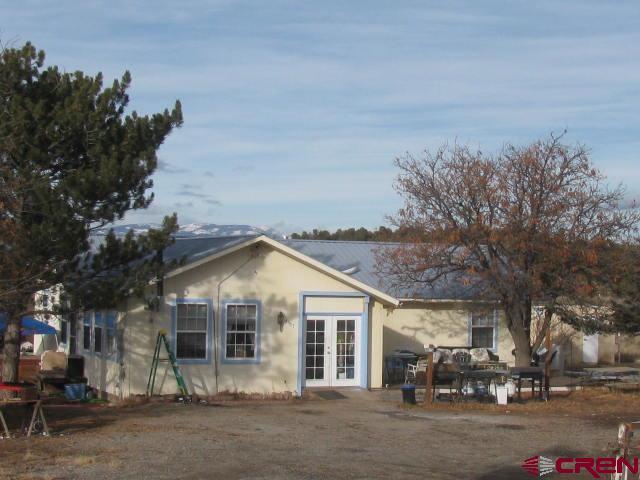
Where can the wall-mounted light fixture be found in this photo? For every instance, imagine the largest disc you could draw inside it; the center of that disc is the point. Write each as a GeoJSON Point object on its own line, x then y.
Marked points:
{"type": "Point", "coordinates": [282, 319]}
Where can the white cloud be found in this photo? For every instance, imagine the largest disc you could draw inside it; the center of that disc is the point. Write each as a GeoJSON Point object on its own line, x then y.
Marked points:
{"type": "Point", "coordinates": [305, 105]}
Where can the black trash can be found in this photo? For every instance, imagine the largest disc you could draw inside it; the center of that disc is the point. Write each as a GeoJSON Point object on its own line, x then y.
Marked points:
{"type": "Point", "coordinates": [75, 366]}
{"type": "Point", "coordinates": [409, 394]}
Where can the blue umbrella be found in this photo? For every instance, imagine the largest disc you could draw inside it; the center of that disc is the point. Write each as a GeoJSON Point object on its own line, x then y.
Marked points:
{"type": "Point", "coordinates": [30, 326]}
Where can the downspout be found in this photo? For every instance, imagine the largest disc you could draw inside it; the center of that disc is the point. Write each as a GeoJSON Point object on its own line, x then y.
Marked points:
{"type": "Point", "coordinates": [121, 352]}
{"type": "Point", "coordinates": [252, 254]}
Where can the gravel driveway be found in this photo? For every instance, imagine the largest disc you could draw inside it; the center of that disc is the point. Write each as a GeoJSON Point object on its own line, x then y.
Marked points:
{"type": "Point", "coordinates": [367, 435]}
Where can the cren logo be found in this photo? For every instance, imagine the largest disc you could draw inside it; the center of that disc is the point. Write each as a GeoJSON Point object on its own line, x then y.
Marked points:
{"type": "Point", "coordinates": [538, 465]}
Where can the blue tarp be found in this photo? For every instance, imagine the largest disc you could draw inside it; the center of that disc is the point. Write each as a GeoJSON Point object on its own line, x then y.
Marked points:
{"type": "Point", "coordinates": [30, 326]}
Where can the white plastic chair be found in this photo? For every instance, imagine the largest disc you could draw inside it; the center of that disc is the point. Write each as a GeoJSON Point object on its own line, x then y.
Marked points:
{"type": "Point", "coordinates": [412, 370]}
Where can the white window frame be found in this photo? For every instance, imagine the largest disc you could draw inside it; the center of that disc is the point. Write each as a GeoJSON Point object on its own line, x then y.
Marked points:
{"type": "Point", "coordinates": [206, 331]}
{"type": "Point", "coordinates": [110, 348]}
{"type": "Point", "coordinates": [64, 339]}
{"type": "Point", "coordinates": [495, 316]}
{"type": "Point", "coordinates": [84, 332]}
{"type": "Point", "coordinates": [107, 350]}
{"type": "Point", "coordinates": [93, 333]}
{"type": "Point", "coordinates": [256, 332]}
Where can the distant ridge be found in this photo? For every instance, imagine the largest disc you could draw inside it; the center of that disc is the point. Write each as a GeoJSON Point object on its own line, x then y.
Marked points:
{"type": "Point", "coordinates": [198, 230]}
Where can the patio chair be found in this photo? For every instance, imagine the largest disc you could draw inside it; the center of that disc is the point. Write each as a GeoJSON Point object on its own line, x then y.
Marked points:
{"type": "Point", "coordinates": [410, 376]}
{"type": "Point", "coordinates": [414, 369]}
{"type": "Point", "coordinates": [461, 357]}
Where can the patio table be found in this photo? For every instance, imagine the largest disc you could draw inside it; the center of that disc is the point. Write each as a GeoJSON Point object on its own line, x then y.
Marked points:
{"type": "Point", "coordinates": [533, 374]}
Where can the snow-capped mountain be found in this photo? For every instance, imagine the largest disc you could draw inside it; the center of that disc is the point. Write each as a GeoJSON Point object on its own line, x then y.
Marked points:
{"type": "Point", "coordinates": [198, 230]}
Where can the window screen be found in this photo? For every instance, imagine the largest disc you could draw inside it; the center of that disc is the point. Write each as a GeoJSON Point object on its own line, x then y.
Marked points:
{"type": "Point", "coordinates": [482, 330]}
{"type": "Point", "coordinates": [110, 334]}
{"type": "Point", "coordinates": [97, 332]}
{"type": "Point", "coordinates": [86, 331]}
{"type": "Point", "coordinates": [191, 331]}
{"type": "Point", "coordinates": [241, 331]}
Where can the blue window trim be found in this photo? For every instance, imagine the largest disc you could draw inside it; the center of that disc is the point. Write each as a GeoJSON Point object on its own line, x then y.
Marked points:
{"type": "Point", "coordinates": [99, 354]}
{"type": "Point", "coordinates": [496, 323]}
{"type": "Point", "coordinates": [174, 327]}
{"type": "Point", "coordinates": [223, 333]}
{"type": "Point", "coordinates": [91, 352]}
{"type": "Point", "coordinates": [87, 351]}
{"type": "Point", "coordinates": [364, 332]}
{"type": "Point", "coordinates": [113, 356]}
{"type": "Point", "coordinates": [63, 341]}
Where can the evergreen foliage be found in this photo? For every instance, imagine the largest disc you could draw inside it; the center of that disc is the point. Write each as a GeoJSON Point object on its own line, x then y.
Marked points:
{"type": "Point", "coordinates": [382, 234]}
{"type": "Point", "coordinates": [71, 162]}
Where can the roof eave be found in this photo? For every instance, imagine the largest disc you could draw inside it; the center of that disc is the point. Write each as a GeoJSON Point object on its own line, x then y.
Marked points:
{"type": "Point", "coordinates": [446, 300]}
{"type": "Point", "coordinates": [374, 292]}
{"type": "Point", "coordinates": [332, 272]}
{"type": "Point", "coordinates": [213, 256]}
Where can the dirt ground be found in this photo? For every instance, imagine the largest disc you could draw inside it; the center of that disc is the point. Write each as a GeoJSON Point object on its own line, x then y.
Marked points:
{"type": "Point", "coordinates": [366, 435]}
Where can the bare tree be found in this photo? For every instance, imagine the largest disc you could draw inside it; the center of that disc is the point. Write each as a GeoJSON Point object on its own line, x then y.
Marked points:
{"type": "Point", "coordinates": [530, 224]}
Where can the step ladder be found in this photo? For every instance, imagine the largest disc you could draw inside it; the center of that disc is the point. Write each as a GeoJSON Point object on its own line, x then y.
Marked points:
{"type": "Point", "coordinates": [162, 339]}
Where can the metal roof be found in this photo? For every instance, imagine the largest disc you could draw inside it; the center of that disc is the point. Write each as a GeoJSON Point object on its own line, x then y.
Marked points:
{"type": "Point", "coordinates": [358, 260]}
{"type": "Point", "coordinates": [354, 259]}
{"type": "Point", "coordinates": [194, 249]}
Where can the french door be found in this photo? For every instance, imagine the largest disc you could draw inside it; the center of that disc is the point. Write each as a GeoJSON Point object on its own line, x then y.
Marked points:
{"type": "Point", "coordinates": [332, 351]}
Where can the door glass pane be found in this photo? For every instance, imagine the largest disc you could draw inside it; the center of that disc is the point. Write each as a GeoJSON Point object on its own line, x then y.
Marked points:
{"type": "Point", "coordinates": [345, 349]}
{"type": "Point", "coordinates": [314, 351]}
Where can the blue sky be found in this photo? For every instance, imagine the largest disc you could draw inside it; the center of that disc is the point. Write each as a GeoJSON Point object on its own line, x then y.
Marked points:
{"type": "Point", "coordinates": [294, 111]}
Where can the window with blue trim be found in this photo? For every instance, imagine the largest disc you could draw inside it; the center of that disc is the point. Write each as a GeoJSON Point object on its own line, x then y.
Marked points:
{"type": "Point", "coordinates": [241, 329]}
{"type": "Point", "coordinates": [97, 332]}
{"type": "Point", "coordinates": [483, 329]}
{"type": "Point", "coordinates": [110, 333]}
{"type": "Point", "coordinates": [191, 331]}
{"type": "Point", "coordinates": [64, 330]}
{"type": "Point", "coordinates": [86, 331]}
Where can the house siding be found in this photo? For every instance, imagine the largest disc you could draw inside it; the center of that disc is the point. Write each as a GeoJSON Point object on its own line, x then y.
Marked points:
{"type": "Point", "coordinates": [412, 326]}
{"type": "Point", "coordinates": [253, 273]}
{"type": "Point", "coordinates": [279, 283]}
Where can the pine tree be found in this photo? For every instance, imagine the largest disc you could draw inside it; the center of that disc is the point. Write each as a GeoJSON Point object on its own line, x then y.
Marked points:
{"type": "Point", "coordinates": [71, 161]}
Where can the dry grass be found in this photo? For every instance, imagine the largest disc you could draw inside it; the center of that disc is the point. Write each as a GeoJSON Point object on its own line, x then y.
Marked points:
{"type": "Point", "coordinates": [43, 476]}
{"type": "Point", "coordinates": [83, 460]}
{"type": "Point", "coordinates": [588, 402]}
{"type": "Point", "coordinates": [114, 464]}
{"type": "Point", "coordinates": [133, 401]}
{"type": "Point", "coordinates": [372, 438]}
{"type": "Point", "coordinates": [29, 456]}
{"type": "Point", "coordinates": [224, 396]}
{"type": "Point", "coordinates": [241, 396]}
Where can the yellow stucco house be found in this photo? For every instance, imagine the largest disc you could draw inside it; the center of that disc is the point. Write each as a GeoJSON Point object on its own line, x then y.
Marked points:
{"type": "Point", "coordinates": [257, 315]}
